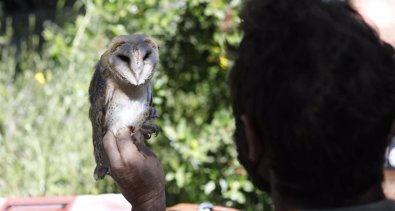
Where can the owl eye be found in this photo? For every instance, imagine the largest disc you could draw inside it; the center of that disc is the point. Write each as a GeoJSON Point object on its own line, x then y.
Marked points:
{"type": "Point", "coordinates": [124, 58]}
{"type": "Point", "coordinates": [147, 55]}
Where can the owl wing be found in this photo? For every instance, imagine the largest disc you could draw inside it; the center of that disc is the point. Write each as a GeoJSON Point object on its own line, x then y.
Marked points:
{"type": "Point", "coordinates": [97, 113]}
{"type": "Point", "coordinates": [149, 94]}
{"type": "Point", "coordinates": [152, 111]}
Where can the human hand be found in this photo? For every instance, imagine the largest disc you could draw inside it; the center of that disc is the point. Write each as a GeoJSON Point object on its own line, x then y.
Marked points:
{"type": "Point", "coordinates": [136, 170]}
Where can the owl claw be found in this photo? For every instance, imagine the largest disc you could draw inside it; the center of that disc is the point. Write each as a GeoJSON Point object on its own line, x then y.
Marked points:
{"type": "Point", "coordinates": [148, 129]}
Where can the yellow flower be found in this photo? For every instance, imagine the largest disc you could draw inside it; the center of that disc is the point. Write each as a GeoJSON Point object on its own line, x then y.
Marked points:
{"type": "Point", "coordinates": [216, 49]}
{"type": "Point", "coordinates": [223, 62]}
{"type": "Point", "coordinates": [94, 191]}
{"type": "Point", "coordinates": [39, 76]}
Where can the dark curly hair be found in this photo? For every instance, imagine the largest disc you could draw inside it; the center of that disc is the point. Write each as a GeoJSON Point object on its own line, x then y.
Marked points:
{"type": "Point", "coordinates": [318, 86]}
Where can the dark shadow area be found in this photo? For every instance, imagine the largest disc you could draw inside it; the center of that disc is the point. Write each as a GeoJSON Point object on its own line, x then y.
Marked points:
{"type": "Point", "coordinates": [29, 16]}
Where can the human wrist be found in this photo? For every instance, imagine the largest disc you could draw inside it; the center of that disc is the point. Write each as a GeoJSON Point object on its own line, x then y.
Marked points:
{"type": "Point", "coordinates": [153, 202]}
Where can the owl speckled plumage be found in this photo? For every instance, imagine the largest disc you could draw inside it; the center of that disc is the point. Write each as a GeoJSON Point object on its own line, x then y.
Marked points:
{"type": "Point", "coordinates": [120, 93]}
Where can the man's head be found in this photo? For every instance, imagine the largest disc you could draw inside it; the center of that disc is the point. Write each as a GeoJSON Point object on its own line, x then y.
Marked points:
{"type": "Point", "coordinates": [313, 93]}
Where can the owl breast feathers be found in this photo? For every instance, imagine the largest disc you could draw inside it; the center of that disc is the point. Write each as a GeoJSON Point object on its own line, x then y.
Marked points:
{"type": "Point", "coordinates": [120, 93]}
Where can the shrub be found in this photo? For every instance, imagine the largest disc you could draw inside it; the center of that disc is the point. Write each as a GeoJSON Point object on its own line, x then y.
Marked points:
{"type": "Point", "coordinates": [45, 133]}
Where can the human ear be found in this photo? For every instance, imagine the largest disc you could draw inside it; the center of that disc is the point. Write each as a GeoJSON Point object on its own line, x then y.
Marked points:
{"type": "Point", "coordinates": [253, 141]}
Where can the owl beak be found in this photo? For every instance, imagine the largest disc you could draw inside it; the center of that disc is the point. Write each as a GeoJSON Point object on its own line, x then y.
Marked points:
{"type": "Point", "coordinates": [137, 67]}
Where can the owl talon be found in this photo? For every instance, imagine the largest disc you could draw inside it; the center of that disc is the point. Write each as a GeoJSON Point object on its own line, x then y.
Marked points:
{"type": "Point", "coordinates": [148, 129]}
{"type": "Point", "coordinates": [147, 136]}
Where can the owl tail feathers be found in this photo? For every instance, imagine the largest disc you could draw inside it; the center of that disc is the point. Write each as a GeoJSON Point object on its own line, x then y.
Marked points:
{"type": "Point", "coordinates": [100, 172]}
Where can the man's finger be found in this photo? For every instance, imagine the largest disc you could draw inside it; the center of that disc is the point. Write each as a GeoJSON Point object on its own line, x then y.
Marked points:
{"type": "Point", "coordinates": [125, 144]}
{"type": "Point", "coordinates": [110, 146]}
{"type": "Point", "coordinates": [144, 150]}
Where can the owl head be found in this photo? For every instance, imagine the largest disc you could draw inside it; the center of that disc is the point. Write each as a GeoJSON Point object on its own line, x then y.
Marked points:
{"type": "Point", "coordinates": [131, 58]}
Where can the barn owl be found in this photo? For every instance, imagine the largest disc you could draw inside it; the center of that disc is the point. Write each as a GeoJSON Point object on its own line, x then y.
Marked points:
{"type": "Point", "coordinates": [120, 93]}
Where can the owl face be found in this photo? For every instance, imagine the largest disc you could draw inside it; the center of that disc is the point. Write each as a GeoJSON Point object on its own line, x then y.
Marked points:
{"type": "Point", "coordinates": [133, 58]}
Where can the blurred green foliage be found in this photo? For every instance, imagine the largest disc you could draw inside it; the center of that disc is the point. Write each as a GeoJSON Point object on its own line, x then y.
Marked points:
{"type": "Point", "coordinates": [45, 133]}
